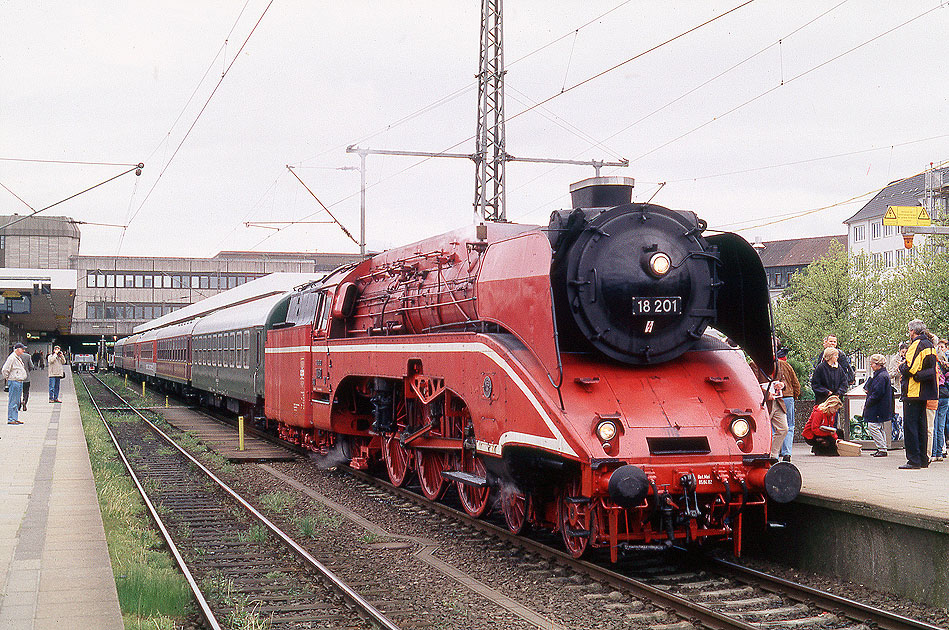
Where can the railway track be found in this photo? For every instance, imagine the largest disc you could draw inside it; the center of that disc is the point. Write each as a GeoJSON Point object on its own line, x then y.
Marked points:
{"type": "Point", "coordinates": [681, 590]}
{"type": "Point", "coordinates": [706, 592]}
{"type": "Point", "coordinates": [239, 564]}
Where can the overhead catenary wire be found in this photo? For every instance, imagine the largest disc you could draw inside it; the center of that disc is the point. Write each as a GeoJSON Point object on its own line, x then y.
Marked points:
{"type": "Point", "coordinates": [756, 169]}
{"type": "Point", "coordinates": [541, 103]}
{"type": "Point", "coordinates": [199, 114]}
{"type": "Point", "coordinates": [782, 84]}
{"type": "Point", "coordinates": [804, 213]}
{"type": "Point", "coordinates": [222, 51]}
{"type": "Point", "coordinates": [137, 167]}
{"type": "Point", "coordinates": [467, 88]}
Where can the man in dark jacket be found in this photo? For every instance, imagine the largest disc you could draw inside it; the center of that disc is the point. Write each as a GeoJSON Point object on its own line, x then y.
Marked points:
{"type": "Point", "coordinates": [830, 341]}
{"type": "Point", "coordinates": [829, 377]}
{"type": "Point", "coordinates": [918, 374]}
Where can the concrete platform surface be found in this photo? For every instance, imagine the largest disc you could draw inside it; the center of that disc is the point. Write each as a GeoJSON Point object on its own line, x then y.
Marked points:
{"type": "Point", "coordinates": [54, 562]}
{"type": "Point", "coordinates": [875, 487]}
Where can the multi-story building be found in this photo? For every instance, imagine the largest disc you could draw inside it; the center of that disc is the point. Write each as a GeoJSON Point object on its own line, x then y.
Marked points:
{"type": "Point", "coordinates": [51, 292]}
{"type": "Point", "coordinates": [883, 243]}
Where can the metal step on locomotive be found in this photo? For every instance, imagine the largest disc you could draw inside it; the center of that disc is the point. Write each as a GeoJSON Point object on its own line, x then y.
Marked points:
{"type": "Point", "coordinates": [589, 376]}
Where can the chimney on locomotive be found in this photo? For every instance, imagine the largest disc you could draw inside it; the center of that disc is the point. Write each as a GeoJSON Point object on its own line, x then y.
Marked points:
{"type": "Point", "coordinates": [602, 192]}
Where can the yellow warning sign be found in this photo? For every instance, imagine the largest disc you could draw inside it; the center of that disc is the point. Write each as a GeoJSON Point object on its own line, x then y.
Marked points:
{"type": "Point", "coordinates": [11, 294]}
{"type": "Point", "coordinates": [906, 215]}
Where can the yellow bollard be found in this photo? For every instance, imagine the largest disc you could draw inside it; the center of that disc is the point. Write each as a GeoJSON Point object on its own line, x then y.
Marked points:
{"type": "Point", "coordinates": [126, 381]}
{"type": "Point", "coordinates": [166, 401]}
{"type": "Point", "coordinates": [143, 389]}
{"type": "Point", "coordinates": [240, 433]}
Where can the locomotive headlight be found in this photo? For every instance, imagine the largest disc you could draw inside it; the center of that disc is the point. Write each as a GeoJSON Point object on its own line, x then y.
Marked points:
{"type": "Point", "coordinates": [740, 428]}
{"type": "Point", "coordinates": [606, 431]}
{"type": "Point", "coordinates": [660, 263]}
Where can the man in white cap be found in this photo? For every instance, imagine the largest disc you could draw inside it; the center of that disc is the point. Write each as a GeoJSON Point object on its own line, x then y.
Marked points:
{"type": "Point", "coordinates": [15, 373]}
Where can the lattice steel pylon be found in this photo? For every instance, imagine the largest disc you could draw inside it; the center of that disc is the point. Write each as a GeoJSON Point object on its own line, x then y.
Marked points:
{"type": "Point", "coordinates": [490, 154]}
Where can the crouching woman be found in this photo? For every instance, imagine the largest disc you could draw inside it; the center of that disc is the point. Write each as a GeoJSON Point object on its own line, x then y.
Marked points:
{"type": "Point", "coordinates": [821, 428]}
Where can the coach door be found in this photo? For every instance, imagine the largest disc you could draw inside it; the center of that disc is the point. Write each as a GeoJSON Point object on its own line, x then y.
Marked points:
{"type": "Point", "coordinates": [322, 388]}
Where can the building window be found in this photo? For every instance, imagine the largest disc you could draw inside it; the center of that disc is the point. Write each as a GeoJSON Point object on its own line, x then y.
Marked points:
{"type": "Point", "coordinates": [889, 258]}
{"type": "Point", "coordinates": [889, 230]}
{"type": "Point", "coordinates": [859, 233]}
{"type": "Point", "coordinates": [876, 229]}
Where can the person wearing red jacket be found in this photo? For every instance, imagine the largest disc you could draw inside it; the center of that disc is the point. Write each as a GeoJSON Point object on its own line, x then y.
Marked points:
{"type": "Point", "coordinates": [821, 431]}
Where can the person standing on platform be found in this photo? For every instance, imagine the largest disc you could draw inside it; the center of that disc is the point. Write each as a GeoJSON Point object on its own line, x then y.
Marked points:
{"type": "Point", "coordinates": [779, 416]}
{"type": "Point", "coordinates": [792, 391]}
{"type": "Point", "coordinates": [55, 362]}
{"type": "Point", "coordinates": [919, 379]}
{"type": "Point", "coordinates": [878, 407]}
{"type": "Point", "coordinates": [939, 425]}
{"type": "Point", "coordinates": [829, 377]}
{"type": "Point", "coordinates": [28, 364]}
{"type": "Point", "coordinates": [15, 374]}
{"type": "Point", "coordinates": [830, 341]}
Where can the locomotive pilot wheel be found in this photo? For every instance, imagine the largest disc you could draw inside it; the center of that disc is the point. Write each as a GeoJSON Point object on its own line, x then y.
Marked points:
{"type": "Point", "coordinates": [577, 519]}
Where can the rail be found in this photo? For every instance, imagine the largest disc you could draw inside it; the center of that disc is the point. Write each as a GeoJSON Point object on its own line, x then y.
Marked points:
{"type": "Point", "coordinates": [338, 584]}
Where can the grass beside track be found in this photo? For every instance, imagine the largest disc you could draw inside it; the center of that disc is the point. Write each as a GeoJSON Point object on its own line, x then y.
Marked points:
{"type": "Point", "coordinates": [152, 592]}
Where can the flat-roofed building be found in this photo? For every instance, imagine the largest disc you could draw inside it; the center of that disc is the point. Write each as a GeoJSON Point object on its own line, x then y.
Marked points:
{"type": "Point", "coordinates": [52, 293]}
{"type": "Point", "coordinates": [117, 293]}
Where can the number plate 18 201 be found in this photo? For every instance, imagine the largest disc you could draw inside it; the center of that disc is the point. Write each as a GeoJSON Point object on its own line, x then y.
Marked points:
{"type": "Point", "coordinates": [657, 305]}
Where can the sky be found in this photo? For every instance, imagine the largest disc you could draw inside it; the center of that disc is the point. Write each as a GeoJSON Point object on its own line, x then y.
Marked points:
{"type": "Point", "coordinates": [777, 120]}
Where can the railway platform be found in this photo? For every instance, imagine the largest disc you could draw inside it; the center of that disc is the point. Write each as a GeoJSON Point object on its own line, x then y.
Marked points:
{"type": "Point", "coordinates": [865, 520]}
{"type": "Point", "coordinates": [54, 563]}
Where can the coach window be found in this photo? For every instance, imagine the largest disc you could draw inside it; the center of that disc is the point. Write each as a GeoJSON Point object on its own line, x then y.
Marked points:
{"type": "Point", "coordinates": [233, 353]}
{"type": "Point", "coordinates": [246, 348]}
{"type": "Point", "coordinates": [120, 281]}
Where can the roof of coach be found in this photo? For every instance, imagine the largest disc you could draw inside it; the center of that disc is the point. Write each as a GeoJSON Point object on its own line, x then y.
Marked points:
{"type": "Point", "coordinates": [272, 284]}
{"type": "Point", "coordinates": [257, 313]}
{"type": "Point", "coordinates": [176, 330]}
{"type": "Point", "coordinates": [148, 335]}
{"type": "Point", "coordinates": [129, 339]}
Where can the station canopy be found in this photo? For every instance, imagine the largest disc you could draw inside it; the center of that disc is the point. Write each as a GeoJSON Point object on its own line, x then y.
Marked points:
{"type": "Point", "coordinates": [38, 300]}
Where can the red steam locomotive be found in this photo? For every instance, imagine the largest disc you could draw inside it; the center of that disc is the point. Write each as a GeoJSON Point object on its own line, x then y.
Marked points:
{"type": "Point", "coordinates": [565, 372]}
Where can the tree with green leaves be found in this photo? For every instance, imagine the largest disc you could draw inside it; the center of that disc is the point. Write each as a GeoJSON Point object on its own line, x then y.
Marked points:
{"type": "Point", "coordinates": [835, 295]}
